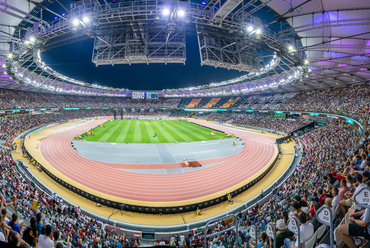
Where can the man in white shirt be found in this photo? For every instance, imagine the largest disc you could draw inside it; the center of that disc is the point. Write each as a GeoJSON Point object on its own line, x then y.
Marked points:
{"type": "Point", "coordinates": [306, 231]}
{"type": "Point", "coordinates": [336, 199]}
{"type": "Point", "coordinates": [45, 241]}
{"type": "Point", "coordinates": [162, 243]}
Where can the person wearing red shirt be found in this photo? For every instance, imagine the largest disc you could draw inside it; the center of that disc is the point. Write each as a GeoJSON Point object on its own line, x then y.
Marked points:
{"type": "Point", "coordinates": [322, 197]}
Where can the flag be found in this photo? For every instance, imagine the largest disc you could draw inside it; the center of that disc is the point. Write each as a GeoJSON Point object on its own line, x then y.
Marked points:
{"type": "Point", "coordinates": [298, 167]}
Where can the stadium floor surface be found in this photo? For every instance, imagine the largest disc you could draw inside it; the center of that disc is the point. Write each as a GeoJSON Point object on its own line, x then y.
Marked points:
{"type": "Point", "coordinates": [108, 179]}
{"type": "Point", "coordinates": [140, 131]}
{"type": "Point", "coordinates": [153, 220]}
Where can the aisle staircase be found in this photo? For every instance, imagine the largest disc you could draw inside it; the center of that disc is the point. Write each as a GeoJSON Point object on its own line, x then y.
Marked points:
{"type": "Point", "coordinates": [212, 102]}
{"type": "Point", "coordinates": [230, 102]}
{"type": "Point", "coordinates": [194, 103]}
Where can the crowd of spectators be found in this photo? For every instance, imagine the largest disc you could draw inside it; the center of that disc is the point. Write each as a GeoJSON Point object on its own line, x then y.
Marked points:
{"type": "Point", "coordinates": [330, 172]}
{"type": "Point", "coordinates": [13, 125]}
{"type": "Point", "coordinates": [17, 99]}
{"type": "Point", "coordinates": [281, 124]}
{"type": "Point", "coordinates": [352, 101]}
{"type": "Point", "coordinates": [54, 223]}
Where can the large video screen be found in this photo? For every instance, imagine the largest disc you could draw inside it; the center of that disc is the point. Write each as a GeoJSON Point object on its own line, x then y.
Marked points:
{"type": "Point", "coordinates": [138, 95]}
{"type": "Point", "coordinates": [151, 95]}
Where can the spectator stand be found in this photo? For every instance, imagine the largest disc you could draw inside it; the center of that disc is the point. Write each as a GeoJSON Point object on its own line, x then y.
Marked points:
{"type": "Point", "coordinates": [262, 129]}
{"type": "Point", "coordinates": [228, 219]}
{"type": "Point", "coordinates": [302, 130]}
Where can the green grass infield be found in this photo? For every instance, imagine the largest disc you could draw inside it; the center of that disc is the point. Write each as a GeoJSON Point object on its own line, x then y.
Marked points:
{"type": "Point", "coordinates": [153, 131]}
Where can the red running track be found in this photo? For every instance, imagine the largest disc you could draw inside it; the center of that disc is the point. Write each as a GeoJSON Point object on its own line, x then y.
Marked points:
{"type": "Point", "coordinates": [108, 179]}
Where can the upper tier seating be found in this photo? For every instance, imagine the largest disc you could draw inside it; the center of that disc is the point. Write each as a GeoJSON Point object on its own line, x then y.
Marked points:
{"type": "Point", "coordinates": [212, 102]}
{"type": "Point", "coordinates": [230, 102]}
{"type": "Point", "coordinates": [194, 103]}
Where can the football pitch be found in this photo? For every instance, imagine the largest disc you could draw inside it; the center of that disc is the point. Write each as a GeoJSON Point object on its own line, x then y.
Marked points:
{"type": "Point", "coordinates": [155, 131]}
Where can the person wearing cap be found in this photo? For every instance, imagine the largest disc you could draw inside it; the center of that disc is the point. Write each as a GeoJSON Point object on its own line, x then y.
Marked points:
{"type": "Point", "coordinates": [282, 233]}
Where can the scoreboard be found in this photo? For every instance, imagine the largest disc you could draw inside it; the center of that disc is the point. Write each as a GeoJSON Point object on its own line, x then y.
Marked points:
{"type": "Point", "coordinates": [151, 95]}
{"type": "Point", "coordinates": [144, 95]}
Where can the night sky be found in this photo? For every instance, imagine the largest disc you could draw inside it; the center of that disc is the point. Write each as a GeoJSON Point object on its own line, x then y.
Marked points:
{"type": "Point", "coordinates": [74, 60]}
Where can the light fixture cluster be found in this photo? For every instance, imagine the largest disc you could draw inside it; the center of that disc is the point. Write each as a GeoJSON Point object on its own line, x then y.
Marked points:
{"type": "Point", "coordinates": [291, 48]}
{"type": "Point", "coordinates": [179, 12]}
{"type": "Point", "coordinates": [34, 83]}
{"type": "Point", "coordinates": [254, 29]}
{"type": "Point", "coordinates": [84, 21]}
{"type": "Point", "coordinates": [296, 74]}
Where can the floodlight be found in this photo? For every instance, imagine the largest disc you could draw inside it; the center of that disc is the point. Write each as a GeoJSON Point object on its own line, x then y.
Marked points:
{"type": "Point", "coordinates": [166, 12]}
{"type": "Point", "coordinates": [306, 61]}
{"type": "Point", "coordinates": [290, 47]}
{"type": "Point", "coordinates": [181, 13]}
{"type": "Point", "coordinates": [250, 28]}
{"type": "Point", "coordinates": [10, 55]}
{"type": "Point", "coordinates": [32, 39]}
{"type": "Point", "coordinates": [75, 22]}
{"type": "Point", "coordinates": [85, 19]}
{"type": "Point", "coordinates": [258, 31]}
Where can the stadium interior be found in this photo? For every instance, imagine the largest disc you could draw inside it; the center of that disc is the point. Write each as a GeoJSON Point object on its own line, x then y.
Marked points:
{"type": "Point", "coordinates": [272, 149]}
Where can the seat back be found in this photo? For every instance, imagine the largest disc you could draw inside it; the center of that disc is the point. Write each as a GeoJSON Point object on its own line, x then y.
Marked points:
{"type": "Point", "coordinates": [320, 232]}
{"type": "Point", "coordinates": [311, 242]}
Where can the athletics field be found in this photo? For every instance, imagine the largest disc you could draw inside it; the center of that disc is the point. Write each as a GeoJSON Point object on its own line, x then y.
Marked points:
{"type": "Point", "coordinates": [139, 131]}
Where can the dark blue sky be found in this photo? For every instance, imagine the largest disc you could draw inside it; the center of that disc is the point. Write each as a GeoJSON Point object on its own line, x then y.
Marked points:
{"type": "Point", "coordinates": [74, 60]}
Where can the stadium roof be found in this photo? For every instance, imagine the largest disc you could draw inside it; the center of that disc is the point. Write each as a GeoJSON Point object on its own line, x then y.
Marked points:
{"type": "Point", "coordinates": [334, 34]}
